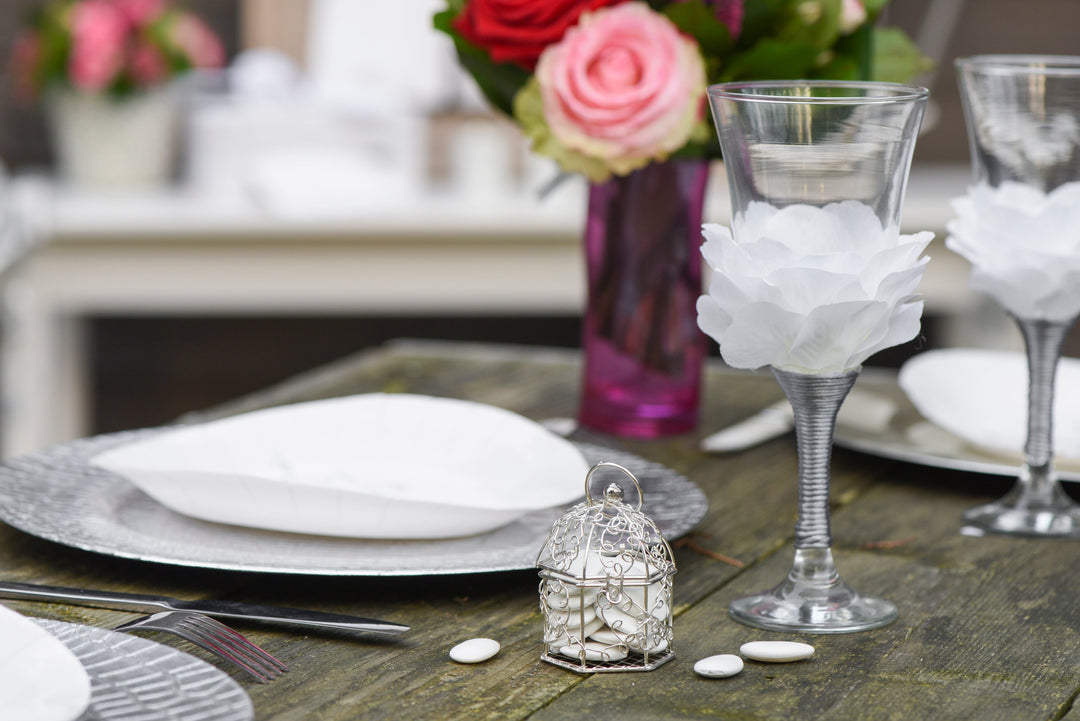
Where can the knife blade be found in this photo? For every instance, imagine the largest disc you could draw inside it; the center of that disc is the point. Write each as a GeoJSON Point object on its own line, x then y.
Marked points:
{"type": "Point", "coordinates": [147, 603]}
{"type": "Point", "coordinates": [862, 409]}
{"type": "Point", "coordinates": [772, 421]}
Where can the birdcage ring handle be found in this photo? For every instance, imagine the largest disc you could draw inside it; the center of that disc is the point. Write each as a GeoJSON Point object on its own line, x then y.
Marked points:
{"type": "Point", "coordinates": [609, 464]}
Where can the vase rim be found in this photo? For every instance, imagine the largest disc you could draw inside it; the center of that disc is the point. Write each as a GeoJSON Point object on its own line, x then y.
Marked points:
{"type": "Point", "coordinates": [818, 92]}
{"type": "Point", "coordinates": [1026, 64]}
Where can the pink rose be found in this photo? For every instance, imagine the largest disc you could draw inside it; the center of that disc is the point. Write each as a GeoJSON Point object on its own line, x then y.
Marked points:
{"type": "Point", "coordinates": [98, 32]}
{"type": "Point", "coordinates": [623, 86]}
{"type": "Point", "coordinates": [147, 65]}
{"type": "Point", "coordinates": [141, 12]}
{"type": "Point", "coordinates": [197, 41]}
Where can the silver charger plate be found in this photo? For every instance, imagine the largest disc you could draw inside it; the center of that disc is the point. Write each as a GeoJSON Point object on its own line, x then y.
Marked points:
{"type": "Point", "coordinates": [134, 678]}
{"type": "Point", "coordinates": [57, 495]}
{"type": "Point", "coordinates": [910, 437]}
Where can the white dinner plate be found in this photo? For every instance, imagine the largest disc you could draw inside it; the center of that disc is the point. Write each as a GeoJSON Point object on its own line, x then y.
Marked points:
{"type": "Point", "coordinates": [373, 465]}
{"type": "Point", "coordinates": [40, 679]}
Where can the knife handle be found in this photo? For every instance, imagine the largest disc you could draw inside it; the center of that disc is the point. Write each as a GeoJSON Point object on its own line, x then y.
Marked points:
{"type": "Point", "coordinates": [101, 599]}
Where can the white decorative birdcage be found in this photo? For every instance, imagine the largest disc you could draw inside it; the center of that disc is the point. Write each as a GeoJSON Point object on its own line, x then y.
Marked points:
{"type": "Point", "coordinates": [606, 585]}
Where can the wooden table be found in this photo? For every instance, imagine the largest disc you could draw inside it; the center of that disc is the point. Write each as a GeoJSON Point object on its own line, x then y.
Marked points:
{"type": "Point", "coordinates": [989, 628]}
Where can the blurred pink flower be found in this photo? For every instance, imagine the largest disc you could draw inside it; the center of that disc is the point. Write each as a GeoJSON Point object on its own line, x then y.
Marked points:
{"type": "Point", "coordinates": [141, 12]}
{"type": "Point", "coordinates": [730, 13]}
{"type": "Point", "coordinates": [25, 54]}
{"type": "Point", "coordinates": [147, 65]}
{"type": "Point", "coordinates": [98, 31]}
{"type": "Point", "coordinates": [624, 86]}
{"type": "Point", "coordinates": [197, 41]}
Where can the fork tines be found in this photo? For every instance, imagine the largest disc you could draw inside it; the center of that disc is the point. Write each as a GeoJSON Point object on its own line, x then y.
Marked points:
{"type": "Point", "coordinates": [215, 631]}
{"type": "Point", "coordinates": [215, 637]}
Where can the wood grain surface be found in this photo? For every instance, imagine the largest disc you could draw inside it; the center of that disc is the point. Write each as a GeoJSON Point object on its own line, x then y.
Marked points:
{"type": "Point", "coordinates": [989, 628]}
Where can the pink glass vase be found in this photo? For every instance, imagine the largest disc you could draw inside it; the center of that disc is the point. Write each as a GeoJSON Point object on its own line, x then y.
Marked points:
{"type": "Point", "coordinates": [643, 350]}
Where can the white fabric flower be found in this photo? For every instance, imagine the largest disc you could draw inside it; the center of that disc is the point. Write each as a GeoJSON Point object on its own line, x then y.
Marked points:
{"type": "Point", "coordinates": [808, 289]}
{"type": "Point", "coordinates": [1023, 246]}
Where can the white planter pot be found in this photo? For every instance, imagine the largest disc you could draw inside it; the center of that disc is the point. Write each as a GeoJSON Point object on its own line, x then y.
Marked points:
{"type": "Point", "coordinates": [113, 143]}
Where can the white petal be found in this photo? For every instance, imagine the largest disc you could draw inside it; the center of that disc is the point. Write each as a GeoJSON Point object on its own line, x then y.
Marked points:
{"type": "Point", "coordinates": [759, 335]}
{"type": "Point", "coordinates": [858, 220]}
{"type": "Point", "coordinates": [903, 325]}
{"type": "Point", "coordinates": [831, 334]}
{"type": "Point", "coordinates": [902, 283]}
{"type": "Point", "coordinates": [711, 318]}
{"type": "Point", "coordinates": [732, 292]}
{"type": "Point", "coordinates": [805, 288]}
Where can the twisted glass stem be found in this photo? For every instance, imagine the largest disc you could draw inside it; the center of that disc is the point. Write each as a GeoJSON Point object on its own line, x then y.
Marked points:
{"type": "Point", "coordinates": [816, 401]}
{"type": "Point", "coordinates": [1044, 340]}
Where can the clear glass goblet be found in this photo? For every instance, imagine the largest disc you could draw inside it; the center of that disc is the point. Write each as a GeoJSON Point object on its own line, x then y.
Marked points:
{"type": "Point", "coordinates": [816, 143]}
{"type": "Point", "coordinates": [1023, 121]}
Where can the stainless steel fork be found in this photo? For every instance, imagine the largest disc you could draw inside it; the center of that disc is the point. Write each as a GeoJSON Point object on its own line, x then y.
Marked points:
{"type": "Point", "coordinates": [215, 637]}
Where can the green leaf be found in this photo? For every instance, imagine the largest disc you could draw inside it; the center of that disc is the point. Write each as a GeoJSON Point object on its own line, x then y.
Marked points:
{"type": "Point", "coordinates": [813, 22]}
{"type": "Point", "coordinates": [699, 22]}
{"type": "Point", "coordinates": [859, 47]}
{"type": "Point", "coordinates": [873, 7]}
{"type": "Point", "coordinates": [499, 82]}
{"type": "Point", "coordinates": [840, 67]}
{"type": "Point", "coordinates": [772, 59]}
{"type": "Point", "coordinates": [896, 58]}
{"type": "Point", "coordinates": [761, 19]}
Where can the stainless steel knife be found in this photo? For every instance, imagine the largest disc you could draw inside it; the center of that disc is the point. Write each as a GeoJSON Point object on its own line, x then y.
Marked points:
{"type": "Point", "coordinates": [221, 609]}
{"type": "Point", "coordinates": [862, 409]}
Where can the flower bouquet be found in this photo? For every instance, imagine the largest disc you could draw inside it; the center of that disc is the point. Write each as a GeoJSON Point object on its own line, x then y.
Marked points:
{"type": "Point", "coordinates": [615, 90]}
{"type": "Point", "coordinates": [104, 68]}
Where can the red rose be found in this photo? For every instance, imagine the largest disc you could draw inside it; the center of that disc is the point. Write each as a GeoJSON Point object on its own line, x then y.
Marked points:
{"type": "Point", "coordinates": [517, 31]}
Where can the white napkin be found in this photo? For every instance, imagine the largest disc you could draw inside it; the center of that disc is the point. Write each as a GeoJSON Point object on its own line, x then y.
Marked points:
{"type": "Point", "coordinates": [370, 466]}
{"type": "Point", "coordinates": [981, 396]}
{"type": "Point", "coordinates": [40, 679]}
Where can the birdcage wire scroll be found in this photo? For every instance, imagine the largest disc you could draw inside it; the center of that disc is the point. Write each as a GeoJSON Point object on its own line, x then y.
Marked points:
{"type": "Point", "coordinates": [606, 585]}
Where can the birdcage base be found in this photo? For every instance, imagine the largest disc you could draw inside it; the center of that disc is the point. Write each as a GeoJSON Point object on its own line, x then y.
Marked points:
{"type": "Point", "coordinates": [633, 662]}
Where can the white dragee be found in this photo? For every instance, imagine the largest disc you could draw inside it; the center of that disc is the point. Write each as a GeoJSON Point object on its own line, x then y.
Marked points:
{"type": "Point", "coordinates": [808, 289]}
{"type": "Point", "coordinates": [1023, 246]}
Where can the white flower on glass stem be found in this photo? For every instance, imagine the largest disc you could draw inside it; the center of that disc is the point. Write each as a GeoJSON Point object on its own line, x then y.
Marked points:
{"type": "Point", "coordinates": [808, 289]}
{"type": "Point", "coordinates": [1023, 246]}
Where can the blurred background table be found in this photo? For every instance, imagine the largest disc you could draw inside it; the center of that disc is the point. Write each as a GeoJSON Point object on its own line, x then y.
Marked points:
{"type": "Point", "coordinates": [178, 253]}
{"type": "Point", "coordinates": [989, 628]}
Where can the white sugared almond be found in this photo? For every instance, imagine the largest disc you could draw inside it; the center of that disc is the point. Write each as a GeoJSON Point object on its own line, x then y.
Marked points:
{"type": "Point", "coordinates": [475, 650]}
{"type": "Point", "coordinates": [776, 651]}
{"type": "Point", "coordinates": [719, 666]}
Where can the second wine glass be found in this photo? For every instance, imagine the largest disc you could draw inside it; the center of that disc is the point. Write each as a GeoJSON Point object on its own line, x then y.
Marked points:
{"type": "Point", "coordinates": [1017, 227]}
{"type": "Point", "coordinates": [812, 278]}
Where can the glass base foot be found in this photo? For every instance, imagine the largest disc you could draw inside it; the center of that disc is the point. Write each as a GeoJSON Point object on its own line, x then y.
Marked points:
{"type": "Point", "coordinates": [813, 599]}
{"type": "Point", "coordinates": [1001, 517]}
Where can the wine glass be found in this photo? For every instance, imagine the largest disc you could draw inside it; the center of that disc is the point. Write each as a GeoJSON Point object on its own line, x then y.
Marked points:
{"type": "Point", "coordinates": [1023, 122]}
{"type": "Point", "coordinates": [838, 154]}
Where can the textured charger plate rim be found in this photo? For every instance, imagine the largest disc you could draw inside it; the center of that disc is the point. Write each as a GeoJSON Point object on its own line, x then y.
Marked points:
{"type": "Point", "coordinates": [125, 675]}
{"type": "Point", "coordinates": [56, 495]}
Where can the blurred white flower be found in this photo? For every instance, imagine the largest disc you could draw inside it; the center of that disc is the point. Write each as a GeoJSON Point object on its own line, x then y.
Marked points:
{"type": "Point", "coordinates": [1023, 246]}
{"type": "Point", "coordinates": [852, 15]}
{"type": "Point", "coordinates": [808, 289]}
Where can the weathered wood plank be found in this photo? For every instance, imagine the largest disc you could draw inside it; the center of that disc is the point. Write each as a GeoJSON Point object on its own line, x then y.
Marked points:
{"type": "Point", "coordinates": [989, 628]}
